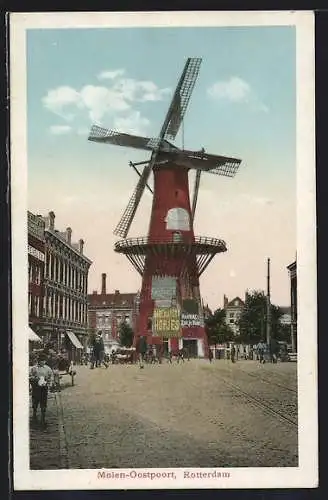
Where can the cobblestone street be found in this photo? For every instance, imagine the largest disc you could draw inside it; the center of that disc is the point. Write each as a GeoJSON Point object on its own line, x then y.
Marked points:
{"type": "Point", "coordinates": [194, 414]}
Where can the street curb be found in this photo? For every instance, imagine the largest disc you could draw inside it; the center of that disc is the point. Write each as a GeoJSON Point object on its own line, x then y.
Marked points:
{"type": "Point", "coordinates": [64, 461]}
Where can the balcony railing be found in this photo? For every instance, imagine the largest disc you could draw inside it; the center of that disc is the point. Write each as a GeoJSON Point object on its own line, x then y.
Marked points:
{"type": "Point", "coordinates": [175, 239]}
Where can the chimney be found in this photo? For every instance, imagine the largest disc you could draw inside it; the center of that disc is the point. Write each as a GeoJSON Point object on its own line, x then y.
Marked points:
{"type": "Point", "coordinates": [51, 220]}
{"type": "Point", "coordinates": [246, 295]}
{"type": "Point", "coordinates": [225, 301]}
{"type": "Point", "coordinates": [81, 244]}
{"type": "Point", "coordinates": [68, 235]}
{"type": "Point", "coordinates": [117, 292]}
{"type": "Point", "coordinates": [94, 292]}
{"type": "Point", "coordinates": [103, 284]}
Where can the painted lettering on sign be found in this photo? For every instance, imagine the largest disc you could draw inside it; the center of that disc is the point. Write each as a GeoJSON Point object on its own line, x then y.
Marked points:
{"type": "Point", "coordinates": [190, 320]}
{"type": "Point", "coordinates": [166, 322]}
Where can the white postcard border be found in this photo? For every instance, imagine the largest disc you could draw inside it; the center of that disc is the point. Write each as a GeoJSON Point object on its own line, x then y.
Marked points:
{"type": "Point", "coordinates": [306, 475]}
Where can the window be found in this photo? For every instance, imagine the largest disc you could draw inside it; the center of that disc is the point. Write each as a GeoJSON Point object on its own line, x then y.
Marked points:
{"type": "Point", "coordinates": [177, 236]}
{"type": "Point", "coordinates": [236, 303]}
{"type": "Point", "coordinates": [231, 321]}
{"type": "Point", "coordinates": [231, 315]}
{"type": "Point", "coordinates": [177, 218]}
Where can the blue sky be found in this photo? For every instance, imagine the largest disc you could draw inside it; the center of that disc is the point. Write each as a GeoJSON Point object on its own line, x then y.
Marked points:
{"type": "Point", "coordinates": [243, 105]}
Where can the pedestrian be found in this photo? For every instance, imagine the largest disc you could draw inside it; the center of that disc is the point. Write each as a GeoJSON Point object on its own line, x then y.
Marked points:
{"type": "Point", "coordinates": [41, 378]}
{"type": "Point", "coordinates": [180, 356]}
{"type": "Point", "coordinates": [169, 357]}
{"type": "Point", "coordinates": [233, 353]}
{"type": "Point", "coordinates": [210, 355]}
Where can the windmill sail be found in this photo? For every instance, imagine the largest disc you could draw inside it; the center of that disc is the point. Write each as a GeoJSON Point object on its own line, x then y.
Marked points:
{"type": "Point", "coordinates": [124, 224]}
{"type": "Point", "coordinates": [195, 195]}
{"type": "Point", "coordinates": [212, 164]}
{"type": "Point", "coordinates": [181, 97]}
{"type": "Point", "coordinates": [100, 134]}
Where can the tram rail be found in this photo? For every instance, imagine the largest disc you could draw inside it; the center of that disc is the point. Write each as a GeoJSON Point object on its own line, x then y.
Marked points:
{"type": "Point", "coordinates": [262, 404]}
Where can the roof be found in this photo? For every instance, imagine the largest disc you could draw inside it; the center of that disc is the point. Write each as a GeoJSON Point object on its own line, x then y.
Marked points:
{"type": "Point", "coordinates": [231, 303]}
{"type": "Point", "coordinates": [112, 299]}
{"type": "Point", "coordinates": [285, 309]}
{"type": "Point", "coordinates": [72, 246]}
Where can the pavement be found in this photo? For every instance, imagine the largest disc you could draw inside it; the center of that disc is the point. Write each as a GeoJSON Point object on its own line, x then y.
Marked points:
{"type": "Point", "coordinates": [195, 414]}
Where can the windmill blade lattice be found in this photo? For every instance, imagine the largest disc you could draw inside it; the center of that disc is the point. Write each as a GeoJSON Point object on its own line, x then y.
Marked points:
{"type": "Point", "coordinates": [181, 98]}
{"type": "Point", "coordinates": [125, 222]}
{"type": "Point", "coordinates": [195, 195]}
{"type": "Point", "coordinates": [100, 134]}
{"type": "Point", "coordinates": [212, 164]}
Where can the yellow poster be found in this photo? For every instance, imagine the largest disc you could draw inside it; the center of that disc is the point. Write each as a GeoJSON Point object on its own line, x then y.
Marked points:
{"type": "Point", "coordinates": [166, 322]}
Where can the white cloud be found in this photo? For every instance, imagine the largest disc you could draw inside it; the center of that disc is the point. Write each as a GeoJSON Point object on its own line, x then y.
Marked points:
{"type": "Point", "coordinates": [235, 89]}
{"type": "Point", "coordinates": [60, 129]}
{"type": "Point", "coordinates": [135, 90]}
{"type": "Point", "coordinates": [61, 97]}
{"type": "Point", "coordinates": [132, 124]}
{"type": "Point", "coordinates": [98, 101]}
{"type": "Point", "coordinates": [110, 75]}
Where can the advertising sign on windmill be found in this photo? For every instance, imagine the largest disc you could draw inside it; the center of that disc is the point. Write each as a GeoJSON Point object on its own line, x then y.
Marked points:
{"type": "Point", "coordinates": [163, 290]}
{"type": "Point", "coordinates": [166, 322]}
{"type": "Point", "coordinates": [190, 316]}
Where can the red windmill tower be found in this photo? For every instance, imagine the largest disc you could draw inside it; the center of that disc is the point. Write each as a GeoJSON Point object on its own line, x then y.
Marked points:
{"type": "Point", "coordinates": [171, 258]}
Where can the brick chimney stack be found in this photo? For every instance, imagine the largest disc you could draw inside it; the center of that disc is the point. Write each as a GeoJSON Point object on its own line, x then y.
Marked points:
{"type": "Point", "coordinates": [51, 220]}
{"type": "Point", "coordinates": [69, 235]}
{"type": "Point", "coordinates": [225, 301]}
{"type": "Point", "coordinates": [81, 244]}
{"type": "Point", "coordinates": [103, 284]}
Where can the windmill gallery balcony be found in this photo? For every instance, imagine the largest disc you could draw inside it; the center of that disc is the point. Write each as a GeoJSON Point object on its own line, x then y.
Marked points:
{"type": "Point", "coordinates": [201, 248]}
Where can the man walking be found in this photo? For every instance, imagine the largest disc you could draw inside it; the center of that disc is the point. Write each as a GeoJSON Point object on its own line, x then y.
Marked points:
{"type": "Point", "coordinates": [41, 378]}
{"type": "Point", "coordinates": [233, 353]}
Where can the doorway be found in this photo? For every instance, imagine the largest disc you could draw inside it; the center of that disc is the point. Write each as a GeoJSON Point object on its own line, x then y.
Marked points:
{"type": "Point", "coordinates": [190, 345]}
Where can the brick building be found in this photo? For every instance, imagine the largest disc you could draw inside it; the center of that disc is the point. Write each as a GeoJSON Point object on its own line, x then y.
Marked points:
{"type": "Point", "coordinates": [292, 270]}
{"type": "Point", "coordinates": [65, 281]}
{"type": "Point", "coordinates": [36, 259]}
{"type": "Point", "coordinates": [233, 309]}
{"type": "Point", "coordinates": [107, 310]}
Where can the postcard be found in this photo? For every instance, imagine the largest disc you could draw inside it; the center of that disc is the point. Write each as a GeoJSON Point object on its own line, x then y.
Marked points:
{"type": "Point", "coordinates": [163, 250]}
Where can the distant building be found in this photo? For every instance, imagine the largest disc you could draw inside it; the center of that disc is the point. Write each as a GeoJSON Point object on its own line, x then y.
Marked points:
{"type": "Point", "coordinates": [292, 270]}
{"type": "Point", "coordinates": [66, 268]}
{"type": "Point", "coordinates": [36, 259]}
{"type": "Point", "coordinates": [106, 311]}
{"type": "Point", "coordinates": [233, 309]}
{"type": "Point", "coordinates": [286, 318]}
{"type": "Point", "coordinates": [206, 312]}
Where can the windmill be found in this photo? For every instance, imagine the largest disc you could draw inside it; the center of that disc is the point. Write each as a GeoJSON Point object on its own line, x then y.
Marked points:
{"type": "Point", "coordinates": [171, 258]}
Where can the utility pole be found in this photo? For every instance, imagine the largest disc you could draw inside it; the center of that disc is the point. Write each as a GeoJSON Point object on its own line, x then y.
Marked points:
{"type": "Point", "coordinates": [268, 304]}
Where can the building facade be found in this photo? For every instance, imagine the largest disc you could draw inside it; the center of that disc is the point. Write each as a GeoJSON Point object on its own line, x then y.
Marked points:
{"type": "Point", "coordinates": [65, 284]}
{"type": "Point", "coordinates": [292, 270]}
{"type": "Point", "coordinates": [106, 311]}
{"type": "Point", "coordinates": [36, 260]}
{"type": "Point", "coordinates": [233, 309]}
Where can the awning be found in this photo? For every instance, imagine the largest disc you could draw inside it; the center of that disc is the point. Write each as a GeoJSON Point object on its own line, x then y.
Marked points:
{"type": "Point", "coordinates": [33, 336]}
{"type": "Point", "coordinates": [75, 341]}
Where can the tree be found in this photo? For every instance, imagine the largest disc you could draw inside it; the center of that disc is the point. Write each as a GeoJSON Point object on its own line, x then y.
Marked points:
{"type": "Point", "coordinates": [253, 319]}
{"type": "Point", "coordinates": [216, 328]}
{"type": "Point", "coordinates": [125, 334]}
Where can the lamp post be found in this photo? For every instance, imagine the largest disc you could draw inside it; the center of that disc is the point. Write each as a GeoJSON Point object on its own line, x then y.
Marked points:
{"type": "Point", "coordinates": [268, 304]}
